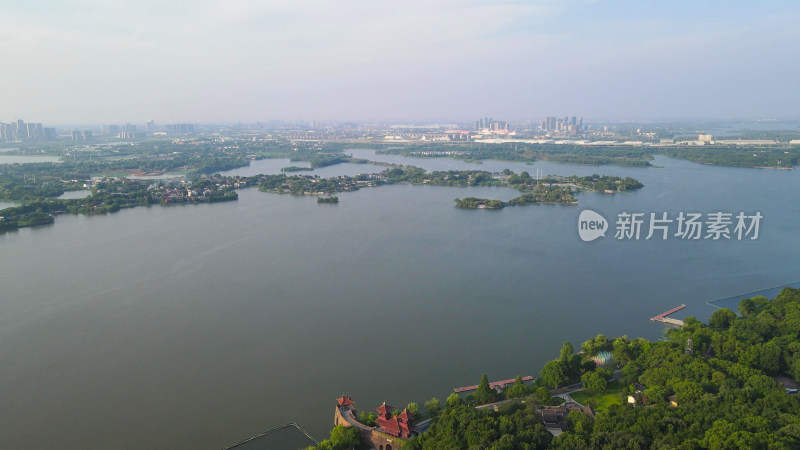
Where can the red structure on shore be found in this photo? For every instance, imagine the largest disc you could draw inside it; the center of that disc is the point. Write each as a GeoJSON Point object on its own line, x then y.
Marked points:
{"type": "Point", "coordinates": [397, 425]}
{"type": "Point", "coordinates": [345, 400]}
{"type": "Point", "coordinates": [390, 430]}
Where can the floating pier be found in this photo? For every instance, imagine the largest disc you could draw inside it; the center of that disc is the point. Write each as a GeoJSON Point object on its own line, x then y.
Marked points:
{"type": "Point", "coordinates": [668, 320]}
{"type": "Point", "coordinates": [493, 385]}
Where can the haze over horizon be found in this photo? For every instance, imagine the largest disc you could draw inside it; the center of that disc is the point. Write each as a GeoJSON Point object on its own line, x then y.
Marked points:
{"type": "Point", "coordinates": [246, 60]}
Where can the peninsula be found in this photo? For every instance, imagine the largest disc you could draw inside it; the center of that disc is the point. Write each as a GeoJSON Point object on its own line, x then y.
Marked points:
{"type": "Point", "coordinates": [731, 383]}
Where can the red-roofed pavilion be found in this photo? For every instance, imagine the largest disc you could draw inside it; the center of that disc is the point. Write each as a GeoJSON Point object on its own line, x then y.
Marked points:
{"type": "Point", "coordinates": [345, 400]}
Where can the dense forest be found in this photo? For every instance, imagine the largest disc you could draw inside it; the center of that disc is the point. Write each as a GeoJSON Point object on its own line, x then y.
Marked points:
{"type": "Point", "coordinates": [620, 155]}
{"type": "Point", "coordinates": [721, 385]}
{"type": "Point", "coordinates": [522, 152]}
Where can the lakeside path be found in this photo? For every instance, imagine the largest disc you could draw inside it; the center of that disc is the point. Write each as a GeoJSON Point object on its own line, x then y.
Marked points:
{"type": "Point", "coordinates": [562, 392]}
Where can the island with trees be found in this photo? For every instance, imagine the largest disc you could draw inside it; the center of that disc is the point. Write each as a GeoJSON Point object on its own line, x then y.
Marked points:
{"type": "Point", "coordinates": [780, 155]}
{"type": "Point", "coordinates": [38, 192]}
{"type": "Point", "coordinates": [550, 190]}
{"type": "Point", "coordinates": [126, 175]}
{"type": "Point", "coordinates": [109, 195]}
{"type": "Point", "coordinates": [297, 169]}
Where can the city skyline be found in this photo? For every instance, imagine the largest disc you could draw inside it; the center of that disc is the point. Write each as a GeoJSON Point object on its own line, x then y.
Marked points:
{"type": "Point", "coordinates": [97, 62]}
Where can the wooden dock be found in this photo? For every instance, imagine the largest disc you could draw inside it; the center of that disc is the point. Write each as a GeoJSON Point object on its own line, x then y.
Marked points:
{"type": "Point", "coordinates": [668, 320]}
{"type": "Point", "coordinates": [493, 385]}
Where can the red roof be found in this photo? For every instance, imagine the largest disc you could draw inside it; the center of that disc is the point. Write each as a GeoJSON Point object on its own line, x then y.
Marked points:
{"type": "Point", "coordinates": [344, 401]}
{"type": "Point", "coordinates": [405, 416]}
{"type": "Point", "coordinates": [395, 427]}
{"type": "Point", "coordinates": [398, 425]}
{"type": "Point", "coordinates": [392, 426]}
{"type": "Point", "coordinates": [384, 408]}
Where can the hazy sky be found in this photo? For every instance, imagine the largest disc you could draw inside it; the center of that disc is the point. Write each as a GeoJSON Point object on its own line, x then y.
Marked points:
{"type": "Point", "coordinates": [89, 61]}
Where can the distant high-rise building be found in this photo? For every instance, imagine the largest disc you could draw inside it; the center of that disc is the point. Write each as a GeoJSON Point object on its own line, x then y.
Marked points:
{"type": "Point", "coordinates": [33, 131]}
{"type": "Point", "coordinates": [81, 135]}
{"type": "Point", "coordinates": [183, 128]}
{"type": "Point", "coordinates": [487, 123]}
{"type": "Point", "coordinates": [6, 132]}
{"type": "Point", "coordinates": [567, 124]}
{"type": "Point", "coordinates": [20, 131]}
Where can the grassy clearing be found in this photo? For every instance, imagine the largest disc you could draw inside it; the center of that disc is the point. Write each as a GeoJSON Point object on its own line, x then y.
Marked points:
{"type": "Point", "coordinates": [601, 401]}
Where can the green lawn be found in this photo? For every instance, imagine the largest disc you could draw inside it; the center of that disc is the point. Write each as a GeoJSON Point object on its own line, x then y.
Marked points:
{"type": "Point", "coordinates": [602, 401]}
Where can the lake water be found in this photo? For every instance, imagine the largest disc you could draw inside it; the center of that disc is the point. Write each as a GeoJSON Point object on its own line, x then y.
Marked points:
{"type": "Point", "coordinates": [198, 326]}
{"type": "Point", "coordinates": [75, 194]}
{"type": "Point", "coordinates": [274, 166]}
{"type": "Point", "coordinates": [163, 176]}
{"type": "Point", "coordinates": [12, 159]}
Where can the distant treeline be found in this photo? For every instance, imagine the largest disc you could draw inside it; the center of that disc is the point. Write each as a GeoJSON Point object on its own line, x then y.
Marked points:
{"type": "Point", "coordinates": [620, 155]}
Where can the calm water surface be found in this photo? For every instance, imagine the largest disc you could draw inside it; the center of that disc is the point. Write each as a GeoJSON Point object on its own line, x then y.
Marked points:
{"type": "Point", "coordinates": [197, 326]}
{"type": "Point", "coordinates": [75, 194]}
{"type": "Point", "coordinates": [274, 166]}
{"type": "Point", "coordinates": [12, 159]}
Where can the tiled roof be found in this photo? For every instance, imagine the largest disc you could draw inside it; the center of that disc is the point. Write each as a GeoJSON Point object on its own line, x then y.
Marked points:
{"type": "Point", "coordinates": [344, 401]}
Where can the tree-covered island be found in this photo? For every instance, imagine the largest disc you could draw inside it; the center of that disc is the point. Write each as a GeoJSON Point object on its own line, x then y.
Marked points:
{"type": "Point", "coordinates": [781, 155]}
{"type": "Point", "coordinates": [116, 177]}
{"type": "Point", "coordinates": [297, 169]}
{"type": "Point", "coordinates": [110, 194]}
{"type": "Point", "coordinates": [105, 169]}
{"type": "Point", "coordinates": [550, 190]}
